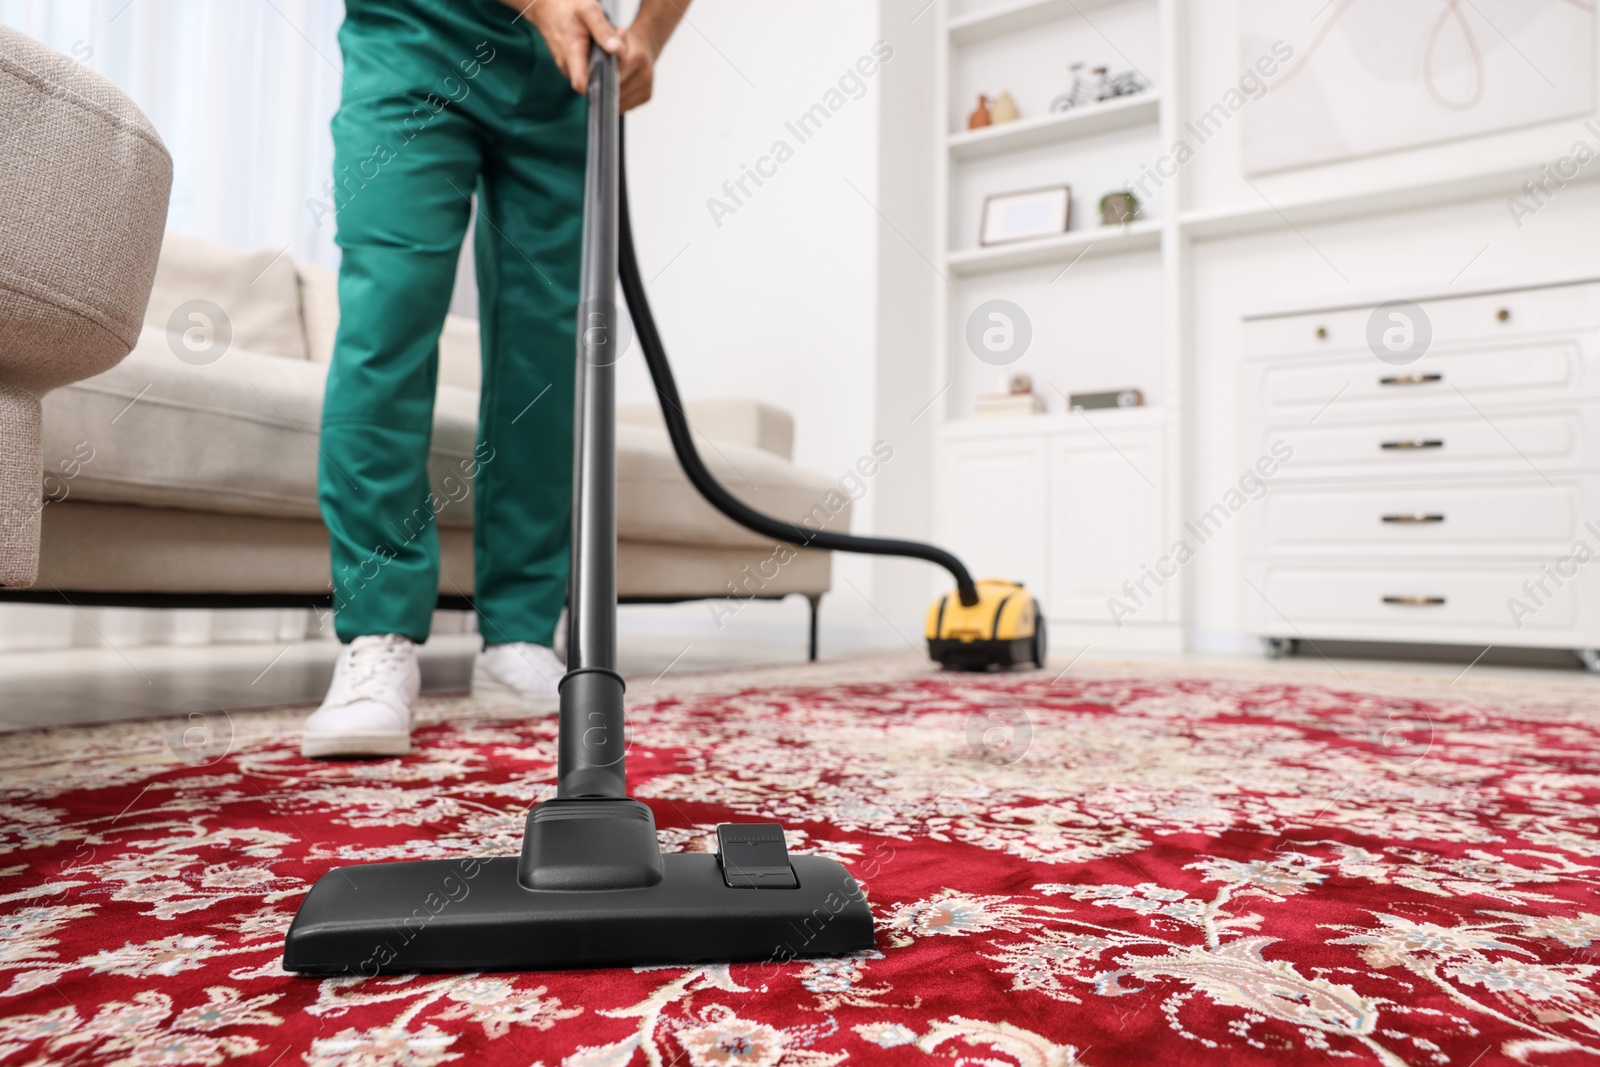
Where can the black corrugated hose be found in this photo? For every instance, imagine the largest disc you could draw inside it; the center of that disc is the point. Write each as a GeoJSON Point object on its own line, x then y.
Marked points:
{"type": "Point", "coordinates": [655, 357]}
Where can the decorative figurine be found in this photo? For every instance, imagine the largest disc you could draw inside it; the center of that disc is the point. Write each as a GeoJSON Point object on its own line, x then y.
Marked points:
{"type": "Point", "coordinates": [1100, 87]}
{"type": "Point", "coordinates": [1128, 83]}
{"type": "Point", "coordinates": [1081, 92]}
{"type": "Point", "coordinates": [1119, 208]}
{"type": "Point", "coordinates": [980, 115]}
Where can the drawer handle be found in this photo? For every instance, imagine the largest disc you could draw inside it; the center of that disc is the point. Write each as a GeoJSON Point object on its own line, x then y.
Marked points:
{"type": "Point", "coordinates": [1411, 379]}
{"type": "Point", "coordinates": [1412, 445]}
{"type": "Point", "coordinates": [1417, 518]}
{"type": "Point", "coordinates": [1416, 601]}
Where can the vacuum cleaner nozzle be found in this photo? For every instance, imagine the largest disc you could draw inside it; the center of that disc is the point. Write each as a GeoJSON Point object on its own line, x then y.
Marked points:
{"type": "Point", "coordinates": [590, 889]}
{"type": "Point", "coordinates": [479, 914]}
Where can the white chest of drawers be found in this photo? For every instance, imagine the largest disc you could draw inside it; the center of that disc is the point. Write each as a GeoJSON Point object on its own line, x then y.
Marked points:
{"type": "Point", "coordinates": [1454, 499]}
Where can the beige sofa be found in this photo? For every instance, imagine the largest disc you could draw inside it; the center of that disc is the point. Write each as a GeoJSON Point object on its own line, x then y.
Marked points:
{"type": "Point", "coordinates": [187, 473]}
{"type": "Point", "coordinates": [83, 199]}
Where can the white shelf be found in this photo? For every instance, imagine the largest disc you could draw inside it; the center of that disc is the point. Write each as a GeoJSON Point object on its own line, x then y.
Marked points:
{"type": "Point", "coordinates": [1141, 236]}
{"type": "Point", "coordinates": [1118, 114]}
{"type": "Point", "coordinates": [1213, 223]}
{"type": "Point", "coordinates": [1016, 16]}
{"type": "Point", "coordinates": [970, 426]}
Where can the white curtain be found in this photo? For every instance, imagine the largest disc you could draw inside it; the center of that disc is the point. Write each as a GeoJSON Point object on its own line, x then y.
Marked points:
{"type": "Point", "coordinates": [241, 91]}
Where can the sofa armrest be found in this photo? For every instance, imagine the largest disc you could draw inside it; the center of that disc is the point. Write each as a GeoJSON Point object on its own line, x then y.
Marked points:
{"type": "Point", "coordinates": [20, 500]}
{"type": "Point", "coordinates": [733, 421]}
{"type": "Point", "coordinates": [83, 200]}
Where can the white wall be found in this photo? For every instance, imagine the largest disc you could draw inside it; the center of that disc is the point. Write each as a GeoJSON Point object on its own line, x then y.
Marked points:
{"type": "Point", "coordinates": [906, 287]}
{"type": "Point", "coordinates": [777, 301]}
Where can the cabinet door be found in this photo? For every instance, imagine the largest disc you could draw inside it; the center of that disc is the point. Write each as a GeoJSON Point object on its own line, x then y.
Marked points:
{"type": "Point", "coordinates": [991, 507]}
{"type": "Point", "coordinates": [1106, 526]}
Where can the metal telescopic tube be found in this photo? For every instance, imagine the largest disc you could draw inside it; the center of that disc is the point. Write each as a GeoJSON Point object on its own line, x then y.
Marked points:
{"type": "Point", "coordinates": [592, 745]}
{"type": "Point", "coordinates": [592, 613]}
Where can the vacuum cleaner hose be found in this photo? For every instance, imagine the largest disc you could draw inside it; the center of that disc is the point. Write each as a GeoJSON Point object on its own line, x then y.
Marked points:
{"type": "Point", "coordinates": [655, 357]}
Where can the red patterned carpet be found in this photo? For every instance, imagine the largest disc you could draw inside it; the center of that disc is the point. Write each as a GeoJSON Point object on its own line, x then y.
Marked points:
{"type": "Point", "coordinates": [1219, 869]}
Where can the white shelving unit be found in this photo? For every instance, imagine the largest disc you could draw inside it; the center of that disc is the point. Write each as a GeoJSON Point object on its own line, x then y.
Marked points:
{"type": "Point", "coordinates": [1073, 504]}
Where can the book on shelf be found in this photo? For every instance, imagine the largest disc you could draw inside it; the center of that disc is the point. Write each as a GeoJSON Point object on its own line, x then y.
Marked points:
{"type": "Point", "coordinates": [1004, 405]}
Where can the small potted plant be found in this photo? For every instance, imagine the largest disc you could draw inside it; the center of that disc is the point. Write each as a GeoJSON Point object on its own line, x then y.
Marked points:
{"type": "Point", "coordinates": [1119, 208]}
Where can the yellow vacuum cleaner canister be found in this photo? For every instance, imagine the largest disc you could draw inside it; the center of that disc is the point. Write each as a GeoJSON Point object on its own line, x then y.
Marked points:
{"type": "Point", "coordinates": [1004, 628]}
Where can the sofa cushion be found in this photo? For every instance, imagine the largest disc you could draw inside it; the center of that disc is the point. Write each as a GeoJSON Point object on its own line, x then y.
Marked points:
{"type": "Point", "coordinates": [259, 292]}
{"type": "Point", "coordinates": [460, 358]}
{"type": "Point", "coordinates": [655, 502]}
{"type": "Point", "coordinates": [239, 436]}
{"type": "Point", "coordinates": [743, 422]}
{"type": "Point", "coordinates": [319, 308]}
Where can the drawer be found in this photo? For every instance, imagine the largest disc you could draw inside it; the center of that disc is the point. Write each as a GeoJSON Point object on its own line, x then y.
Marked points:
{"type": "Point", "coordinates": [1418, 602]}
{"type": "Point", "coordinates": [1522, 442]}
{"type": "Point", "coordinates": [1524, 517]}
{"type": "Point", "coordinates": [1489, 376]}
{"type": "Point", "coordinates": [1500, 316]}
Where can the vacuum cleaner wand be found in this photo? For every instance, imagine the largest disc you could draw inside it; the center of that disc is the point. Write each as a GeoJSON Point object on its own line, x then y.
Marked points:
{"type": "Point", "coordinates": [655, 357]}
{"type": "Point", "coordinates": [591, 745]}
{"type": "Point", "coordinates": [591, 886]}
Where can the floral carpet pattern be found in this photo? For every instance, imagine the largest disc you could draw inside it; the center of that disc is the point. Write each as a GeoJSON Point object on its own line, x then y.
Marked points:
{"type": "Point", "coordinates": [1086, 868]}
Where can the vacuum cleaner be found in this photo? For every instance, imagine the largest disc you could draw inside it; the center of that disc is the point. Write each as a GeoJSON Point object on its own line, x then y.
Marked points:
{"type": "Point", "coordinates": [591, 887]}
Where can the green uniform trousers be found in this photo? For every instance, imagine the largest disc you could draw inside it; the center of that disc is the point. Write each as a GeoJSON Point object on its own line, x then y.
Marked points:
{"type": "Point", "coordinates": [443, 99]}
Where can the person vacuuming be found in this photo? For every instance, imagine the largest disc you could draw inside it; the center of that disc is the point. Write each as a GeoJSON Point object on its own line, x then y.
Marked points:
{"type": "Point", "coordinates": [592, 886]}
{"type": "Point", "coordinates": [442, 102]}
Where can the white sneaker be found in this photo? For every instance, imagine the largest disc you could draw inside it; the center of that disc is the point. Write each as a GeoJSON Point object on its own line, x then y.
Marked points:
{"type": "Point", "coordinates": [520, 673]}
{"type": "Point", "coordinates": [367, 711]}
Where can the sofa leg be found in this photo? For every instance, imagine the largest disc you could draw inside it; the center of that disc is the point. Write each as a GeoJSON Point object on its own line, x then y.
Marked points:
{"type": "Point", "coordinates": [815, 600]}
{"type": "Point", "coordinates": [20, 446]}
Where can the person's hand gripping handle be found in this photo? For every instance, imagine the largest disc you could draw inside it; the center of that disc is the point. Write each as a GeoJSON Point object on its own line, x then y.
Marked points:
{"type": "Point", "coordinates": [568, 26]}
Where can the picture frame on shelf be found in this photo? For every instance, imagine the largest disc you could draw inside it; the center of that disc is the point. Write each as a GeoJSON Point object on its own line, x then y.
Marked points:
{"type": "Point", "coordinates": [1025, 215]}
